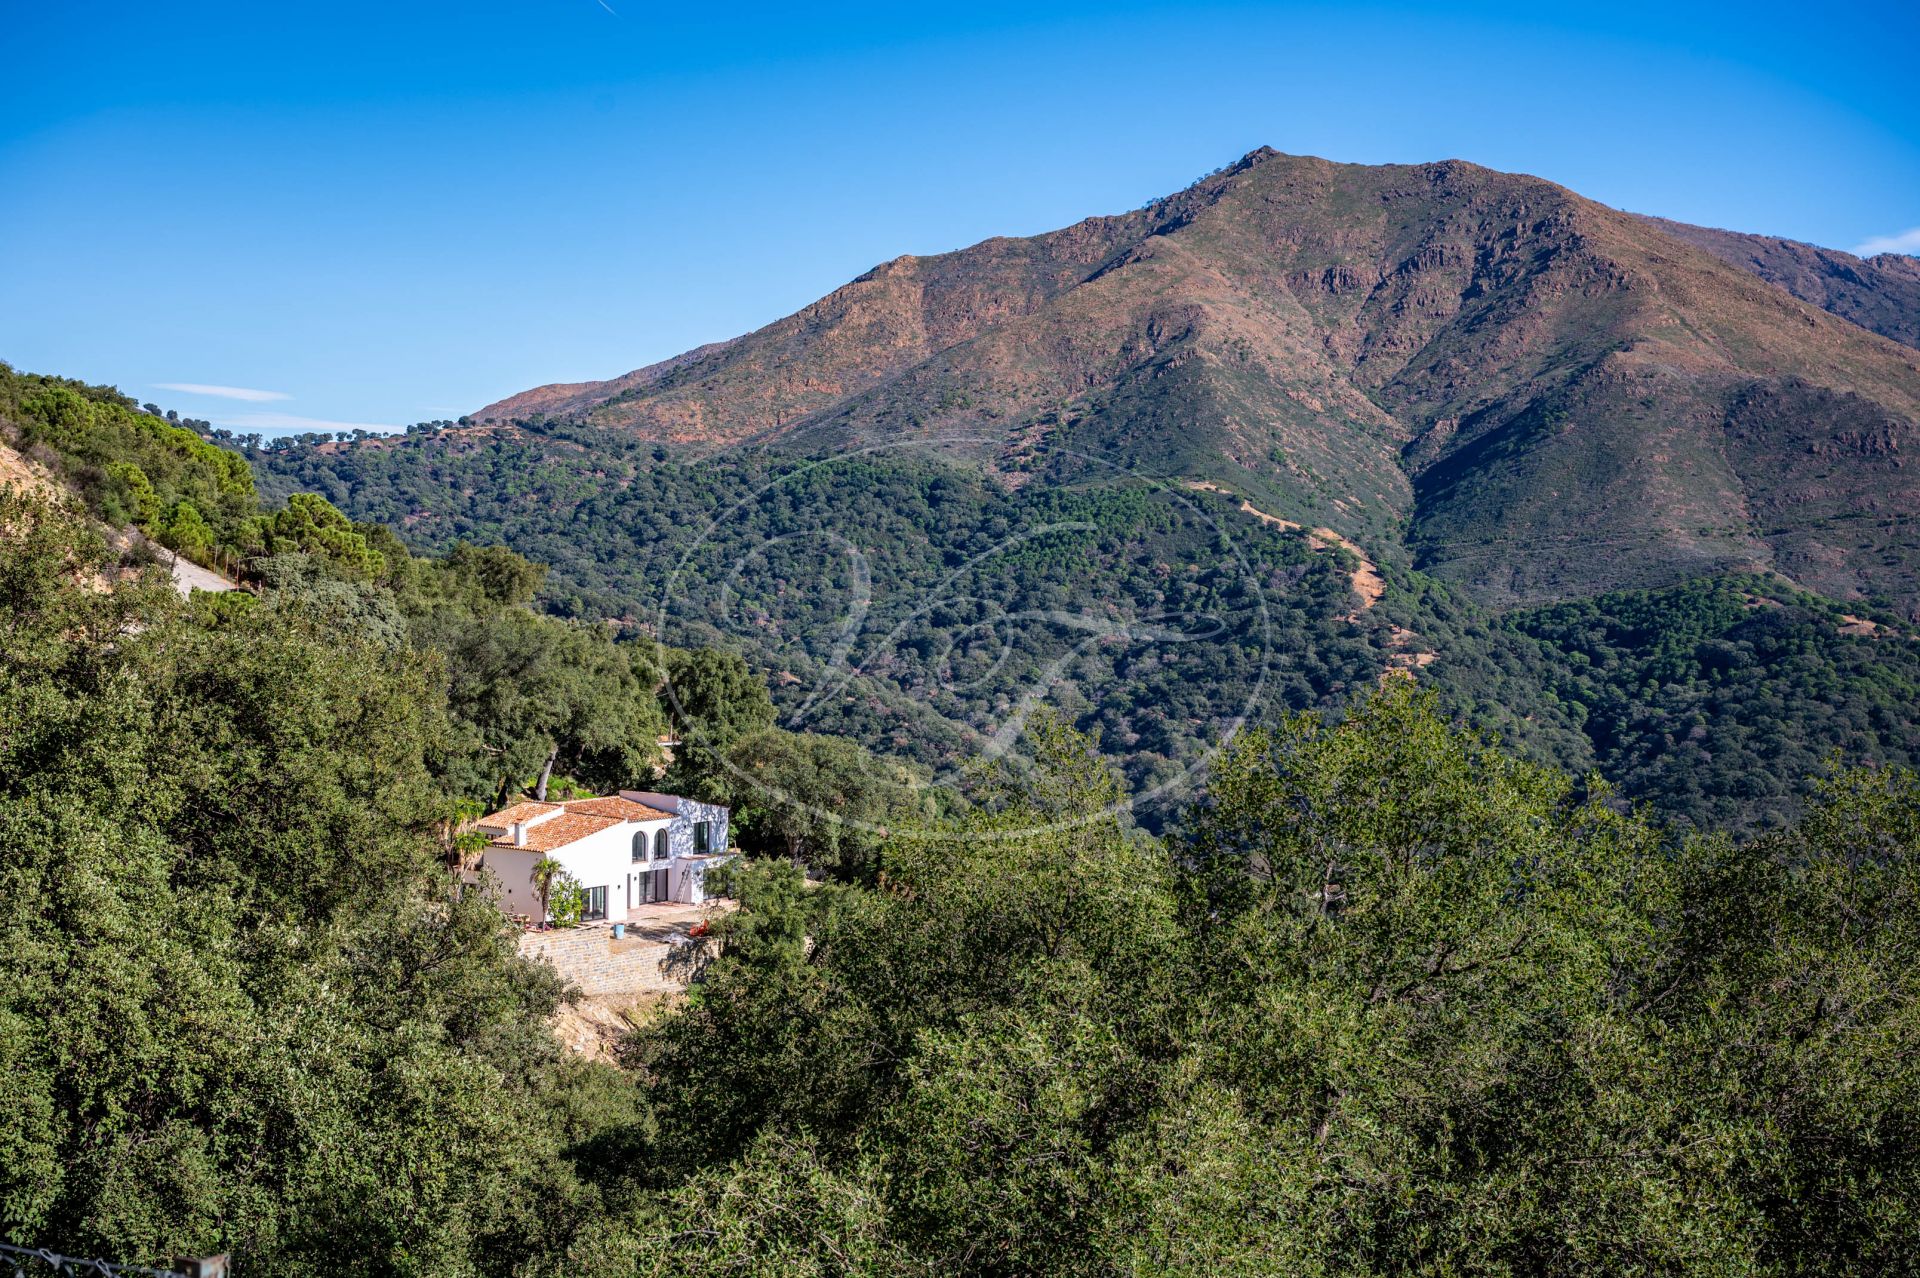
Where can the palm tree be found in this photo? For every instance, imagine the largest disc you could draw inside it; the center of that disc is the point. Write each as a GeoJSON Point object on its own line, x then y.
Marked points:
{"type": "Point", "coordinates": [546, 873]}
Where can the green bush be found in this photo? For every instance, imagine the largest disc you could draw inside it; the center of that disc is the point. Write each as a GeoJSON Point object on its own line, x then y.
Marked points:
{"type": "Point", "coordinates": [566, 900]}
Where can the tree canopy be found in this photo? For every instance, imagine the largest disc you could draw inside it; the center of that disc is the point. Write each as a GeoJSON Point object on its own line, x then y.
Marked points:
{"type": "Point", "coordinates": [242, 1005]}
{"type": "Point", "coordinates": [1399, 1003]}
{"type": "Point", "coordinates": [820, 801]}
{"type": "Point", "coordinates": [1390, 996]}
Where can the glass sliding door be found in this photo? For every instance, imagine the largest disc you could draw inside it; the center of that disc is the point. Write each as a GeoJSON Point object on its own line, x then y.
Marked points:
{"type": "Point", "coordinates": [651, 887]}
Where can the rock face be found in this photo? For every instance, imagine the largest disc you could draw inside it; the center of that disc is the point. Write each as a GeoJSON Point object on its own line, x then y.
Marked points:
{"type": "Point", "coordinates": [19, 471]}
{"type": "Point", "coordinates": [1484, 373]}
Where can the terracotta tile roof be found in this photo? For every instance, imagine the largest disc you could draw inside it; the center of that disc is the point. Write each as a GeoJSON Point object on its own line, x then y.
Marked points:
{"type": "Point", "coordinates": [523, 811]}
{"type": "Point", "coordinates": [617, 807]}
{"type": "Point", "coordinates": [557, 832]}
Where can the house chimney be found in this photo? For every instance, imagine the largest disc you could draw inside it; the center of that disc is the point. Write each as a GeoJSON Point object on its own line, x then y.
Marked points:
{"type": "Point", "coordinates": [519, 829]}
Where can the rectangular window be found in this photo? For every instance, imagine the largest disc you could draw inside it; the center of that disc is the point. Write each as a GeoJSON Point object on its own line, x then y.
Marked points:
{"type": "Point", "coordinates": [700, 838]}
{"type": "Point", "coordinates": [596, 903]}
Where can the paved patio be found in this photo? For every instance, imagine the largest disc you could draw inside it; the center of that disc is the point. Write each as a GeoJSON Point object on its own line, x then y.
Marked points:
{"type": "Point", "coordinates": [652, 957]}
{"type": "Point", "coordinates": [658, 922]}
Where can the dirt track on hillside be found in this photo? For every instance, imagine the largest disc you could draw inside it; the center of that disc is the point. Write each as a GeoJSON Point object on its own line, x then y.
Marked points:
{"type": "Point", "coordinates": [1366, 578]}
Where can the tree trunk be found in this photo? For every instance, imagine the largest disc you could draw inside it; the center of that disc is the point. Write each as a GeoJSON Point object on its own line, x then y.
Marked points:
{"type": "Point", "coordinates": [540, 791]}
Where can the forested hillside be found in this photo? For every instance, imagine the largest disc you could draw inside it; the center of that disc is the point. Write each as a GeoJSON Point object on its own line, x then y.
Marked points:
{"type": "Point", "coordinates": [916, 605]}
{"type": "Point", "coordinates": [242, 1004]}
{"type": "Point", "coordinates": [1388, 1000]}
{"type": "Point", "coordinates": [1633, 495]}
{"type": "Point", "coordinates": [1399, 1004]}
{"type": "Point", "coordinates": [528, 699]}
{"type": "Point", "coordinates": [247, 1004]}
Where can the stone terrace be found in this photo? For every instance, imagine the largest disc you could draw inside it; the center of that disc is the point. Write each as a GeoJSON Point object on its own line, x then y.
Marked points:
{"type": "Point", "coordinates": [645, 961]}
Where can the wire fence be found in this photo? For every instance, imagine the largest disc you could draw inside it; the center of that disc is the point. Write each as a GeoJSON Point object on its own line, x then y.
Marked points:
{"type": "Point", "coordinates": [32, 1262]}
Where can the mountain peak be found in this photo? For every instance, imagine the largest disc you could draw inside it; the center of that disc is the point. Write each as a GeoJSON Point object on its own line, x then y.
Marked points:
{"type": "Point", "coordinates": [1486, 359]}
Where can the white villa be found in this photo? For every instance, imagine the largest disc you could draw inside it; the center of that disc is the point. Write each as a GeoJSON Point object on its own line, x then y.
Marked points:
{"type": "Point", "coordinates": [627, 850]}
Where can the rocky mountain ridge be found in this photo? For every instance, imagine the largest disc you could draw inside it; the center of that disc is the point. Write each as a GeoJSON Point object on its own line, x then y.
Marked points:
{"type": "Point", "coordinates": [1879, 293]}
{"type": "Point", "coordinates": [1482, 374]}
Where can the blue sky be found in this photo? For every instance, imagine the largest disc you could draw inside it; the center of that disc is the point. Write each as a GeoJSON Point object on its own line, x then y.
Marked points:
{"type": "Point", "coordinates": [386, 213]}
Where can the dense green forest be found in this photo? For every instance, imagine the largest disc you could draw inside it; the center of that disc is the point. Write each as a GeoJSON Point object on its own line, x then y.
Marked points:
{"type": "Point", "coordinates": [1386, 998]}
{"type": "Point", "coordinates": [528, 698]}
{"type": "Point", "coordinates": [904, 603]}
{"type": "Point", "coordinates": [1396, 1002]}
{"type": "Point", "coordinates": [244, 1006]}
{"type": "Point", "coordinates": [248, 1005]}
{"type": "Point", "coordinates": [916, 606]}
{"type": "Point", "coordinates": [136, 467]}
{"type": "Point", "coordinates": [1399, 1004]}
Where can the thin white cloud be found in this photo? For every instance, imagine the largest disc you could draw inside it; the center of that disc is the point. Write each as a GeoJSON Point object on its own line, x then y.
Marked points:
{"type": "Point", "coordinates": [1907, 241]}
{"type": "Point", "coordinates": [246, 393]}
{"type": "Point", "coordinates": [245, 422]}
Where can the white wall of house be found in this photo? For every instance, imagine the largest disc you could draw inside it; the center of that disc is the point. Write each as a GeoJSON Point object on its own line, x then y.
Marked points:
{"type": "Point", "coordinates": [690, 877]}
{"type": "Point", "coordinates": [508, 874]}
{"type": "Point", "coordinates": [622, 868]}
{"type": "Point", "coordinates": [689, 816]}
{"type": "Point", "coordinates": [604, 859]}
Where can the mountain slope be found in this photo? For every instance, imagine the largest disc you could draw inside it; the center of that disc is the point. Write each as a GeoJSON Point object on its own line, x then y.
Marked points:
{"type": "Point", "coordinates": [1880, 293]}
{"type": "Point", "coordinates": [1140, 469]}
{"type": "Point", "coordinates": [1480, 373]}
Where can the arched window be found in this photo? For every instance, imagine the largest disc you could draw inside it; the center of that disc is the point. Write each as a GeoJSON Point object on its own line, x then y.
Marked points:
{"type": "Point", "coordinates": [660, 844]}
{"type": "Point", "coordinates": [640, 846]}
